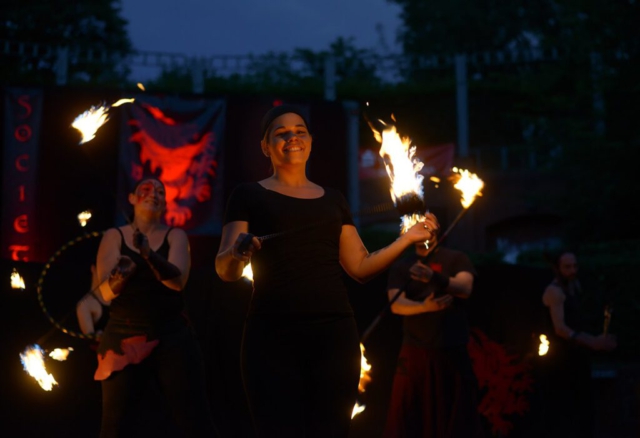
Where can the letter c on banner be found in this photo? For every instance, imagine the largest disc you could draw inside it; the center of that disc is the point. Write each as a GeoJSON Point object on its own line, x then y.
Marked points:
{"type": "Point", "coordinates": [21, 164]}
{"type": "Point", "coordinates": [21, 224]}
{"type": "Point", "coordinates": [22, 133]}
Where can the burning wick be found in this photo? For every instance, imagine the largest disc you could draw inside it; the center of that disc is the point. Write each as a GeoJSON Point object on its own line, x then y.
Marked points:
{"type": "Point", "coordinates": [60, 354]}
{"type": "Point", "coordinates": [84, 217]}
{"type": "Point", "coordinates": [33, 362]}
{"type": "Point", "coordinates": [92, 119]}
{"type": "Point", "coordinates": [544, 345]}
{"type": "Point", "coordinates": [17, 282]}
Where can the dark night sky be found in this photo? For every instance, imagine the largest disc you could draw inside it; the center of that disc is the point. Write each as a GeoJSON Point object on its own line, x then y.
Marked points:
{"type": "Point", "coordinates": [240, 27]}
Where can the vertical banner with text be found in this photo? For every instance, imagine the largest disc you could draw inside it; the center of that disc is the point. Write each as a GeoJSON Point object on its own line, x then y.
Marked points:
{"type": "Point", "coordinates": [23, 112]}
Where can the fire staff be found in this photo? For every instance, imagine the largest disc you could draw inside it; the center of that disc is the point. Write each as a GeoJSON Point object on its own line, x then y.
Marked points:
{"type": "Point", "coordinates": [300, 350]}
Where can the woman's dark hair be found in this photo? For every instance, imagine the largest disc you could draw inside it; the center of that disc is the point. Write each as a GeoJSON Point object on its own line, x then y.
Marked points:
{"type": "Point", "coordinates": [276, 112]}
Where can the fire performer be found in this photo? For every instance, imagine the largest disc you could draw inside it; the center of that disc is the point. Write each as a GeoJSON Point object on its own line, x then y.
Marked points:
{"type": "Point", "coordinates": [568, 398]}
{"type": "Point", "coordinates": [434, 391]}
{"type": "Point", "coordinates": [300, 350]}
{"type": "Point", "coordinates": [143, 267]}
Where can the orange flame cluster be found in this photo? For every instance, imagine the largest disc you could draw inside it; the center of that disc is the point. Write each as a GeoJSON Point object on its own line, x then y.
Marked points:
{"type": "Point", "coordinates": [468, 184]}
{"type": "Point", "coordinates": [33, 362]}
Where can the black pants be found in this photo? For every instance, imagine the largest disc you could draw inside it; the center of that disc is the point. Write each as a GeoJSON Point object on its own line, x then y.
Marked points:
{"type": "Point", "coordinates": [301, 375]}
{"type": "Point", "coordinates": [176, 368]}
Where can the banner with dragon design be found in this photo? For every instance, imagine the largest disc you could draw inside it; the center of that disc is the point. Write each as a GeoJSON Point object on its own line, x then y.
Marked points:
{"type": "Point", "coordinates": [179, 141]}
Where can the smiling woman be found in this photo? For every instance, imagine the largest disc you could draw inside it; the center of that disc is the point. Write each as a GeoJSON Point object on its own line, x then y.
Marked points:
{"type": "Point", "coordinates": [142, 269]}
{"type": "Point", "coordinates": [300, 349]}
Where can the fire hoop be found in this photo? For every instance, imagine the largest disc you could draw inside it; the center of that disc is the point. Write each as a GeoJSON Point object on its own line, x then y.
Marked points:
{"type": "Point", "coordinates": [43, 274]}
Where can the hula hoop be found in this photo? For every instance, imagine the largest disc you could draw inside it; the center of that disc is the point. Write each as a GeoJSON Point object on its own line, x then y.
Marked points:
{"type": "Point", "coordinates": [43, 274]}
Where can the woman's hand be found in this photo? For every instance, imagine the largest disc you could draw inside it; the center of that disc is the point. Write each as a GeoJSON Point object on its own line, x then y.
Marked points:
{"type": "Point", "coordinates": [424, 231]}
{"type": "Point", "coordinates": [432, 304]}
{"type": "Point", "coordinates": [141, 243]}
{"type": "Point", "coordinates": [244, 247]}
{"type": "Point", "coordinates": [421, 272]}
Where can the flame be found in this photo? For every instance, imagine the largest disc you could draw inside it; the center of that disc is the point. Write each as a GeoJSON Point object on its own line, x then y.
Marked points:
{"type": "Point", "coordinates": [365, 378]}
{"type": "Point", "coordinates": [402, 165]}
{"type": "Point", "coordinates": [121, 101]}
{"type": "Point", "coordinates": [469, 185]}
{"type": "Point", "coordinates": [544, 345]}
{"type": "Point", "coordinates": [365, 370]}
{"type": "Point", "coordinates": [403, 168]}
{"type": "Point", "coordinates": [92, 119]}
{"type": "Point", "coordinates": [84, 217]}
{"type": "Point", "coordinates": [33, 362]}
{"type": "Point", "coordinates": [357, 409]}
{"type": "Point", "coordinates": [60, 354]}
{"type": "Point", "coordinates": [17, 282]}
{"type": "Point", "coordinates": [247, 272]}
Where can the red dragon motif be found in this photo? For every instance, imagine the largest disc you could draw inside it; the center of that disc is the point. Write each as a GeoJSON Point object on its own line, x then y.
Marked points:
{"type": "Point", "coordinates": [182, 157]}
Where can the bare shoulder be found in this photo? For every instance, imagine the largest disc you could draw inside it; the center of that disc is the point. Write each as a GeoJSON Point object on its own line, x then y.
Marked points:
{"type": "Point", "coordinates": [176, 235]}
{"type": "Point", "coordinates": [553, 295]}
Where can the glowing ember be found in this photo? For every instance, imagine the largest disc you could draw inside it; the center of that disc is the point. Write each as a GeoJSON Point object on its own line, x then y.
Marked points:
{"type": "Point", "coordinates": [33, 362]}
{"type": "Point", "coordinates": [84, 217]}
{"type": "Point", "coordinates": [17, 282]}
{"type": "Point", "coordinates": [60, 354]}
{"type": "Point", "coordinates": [469, 185]}
{"type": "Point", "coordinates": [92, 119]}
{"type": "Point", "coordinates": [247, 272]}
{"type": "Point", "coordinates": [544, 345]}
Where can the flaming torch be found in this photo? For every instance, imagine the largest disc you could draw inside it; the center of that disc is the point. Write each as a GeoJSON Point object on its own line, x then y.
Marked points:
{"type": "Point", "coordinates": [33, 362]}
{"type": "Point", "coordinates": [17, 282]}
{"type": "Point", "coordinates": [92, 119]}
{"type": "Point", "coordinates": [403, 168]}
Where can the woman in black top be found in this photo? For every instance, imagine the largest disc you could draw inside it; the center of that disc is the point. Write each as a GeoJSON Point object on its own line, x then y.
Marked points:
{"type": "Point", "coordinates": [300, 352]}
{"type": "Point", "coordinates": [143, 268]}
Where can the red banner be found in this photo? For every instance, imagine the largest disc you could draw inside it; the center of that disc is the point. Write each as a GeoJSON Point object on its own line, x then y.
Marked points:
{"type": "Point", "coordinates": [23, 113]}
{"type": "Point", "coordinates": [178, 141]}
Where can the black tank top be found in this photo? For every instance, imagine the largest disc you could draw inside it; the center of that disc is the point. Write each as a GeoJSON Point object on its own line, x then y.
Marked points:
{"type": "Point", "coordinates": [144, 298]}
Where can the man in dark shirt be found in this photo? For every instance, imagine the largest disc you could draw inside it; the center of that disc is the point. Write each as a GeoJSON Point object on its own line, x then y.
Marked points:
{"type": "Point", "coordinates": [434, 389]}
